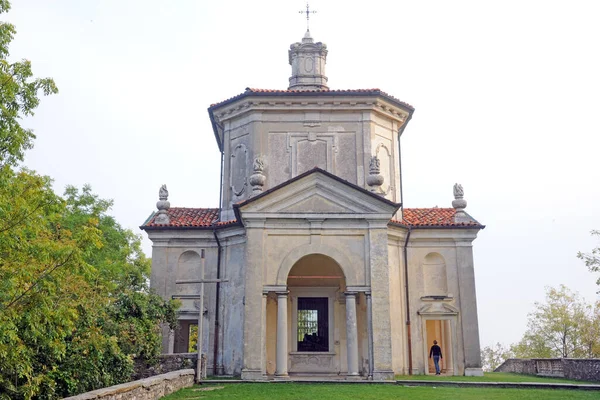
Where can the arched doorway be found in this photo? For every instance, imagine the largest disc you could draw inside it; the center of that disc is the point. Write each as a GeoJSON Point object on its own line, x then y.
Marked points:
{"type": "Point", "coordinates": [315, 283]}
{"type": "Point", "coordinates": [315, 323]}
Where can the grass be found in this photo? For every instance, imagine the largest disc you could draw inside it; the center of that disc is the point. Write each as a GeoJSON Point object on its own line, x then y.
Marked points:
{"type": "Point", "coordinates": [489, 377]}
{"type": "Point", "coordinates": [311, 391]}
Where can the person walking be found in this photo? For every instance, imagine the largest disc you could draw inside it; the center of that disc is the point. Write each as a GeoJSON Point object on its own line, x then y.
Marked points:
{"type": "Point", "coordinates": [436, 353]}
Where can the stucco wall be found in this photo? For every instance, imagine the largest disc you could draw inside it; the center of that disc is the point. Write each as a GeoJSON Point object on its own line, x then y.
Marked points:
{"type": "Point", "coordinates": [144, 389]}
{"type": "Point", "coordinates": [570, 368]}
{"type": "Point", "coordinates": [296, 136]}
{"type": "Point", "coordinates": [176, 256]}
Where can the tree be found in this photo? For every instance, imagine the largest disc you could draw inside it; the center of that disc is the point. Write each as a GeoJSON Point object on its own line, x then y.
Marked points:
{"type": "Point", "coordinates": [18, 98]}
{"type": "Point", "coordinates": [75, 307]}
{"type": "Point", "coordinates": [592, 260]}
{"type": "Point", "coordinates": [590, 329]}
{"type": "Point", "coordinates": [493, 356]}
{"type": "Point", "coordinates": [559, 327]}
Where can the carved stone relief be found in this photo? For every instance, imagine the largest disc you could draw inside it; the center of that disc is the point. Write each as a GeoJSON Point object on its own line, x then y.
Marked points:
{"type": "Point", "coordinates": [237, 169]}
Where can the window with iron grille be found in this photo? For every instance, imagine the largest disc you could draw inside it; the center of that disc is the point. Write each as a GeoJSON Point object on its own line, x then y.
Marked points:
{"type": "Point", "coordinates": [313, 324]}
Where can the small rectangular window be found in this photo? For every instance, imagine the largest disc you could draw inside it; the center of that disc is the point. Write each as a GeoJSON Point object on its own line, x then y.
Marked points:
{"type": "Point", "coordinates": [313, 324]}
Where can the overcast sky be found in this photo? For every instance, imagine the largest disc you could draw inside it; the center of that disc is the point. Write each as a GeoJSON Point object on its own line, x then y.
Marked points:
{"type": "Point", "coordinates": [506, 96]}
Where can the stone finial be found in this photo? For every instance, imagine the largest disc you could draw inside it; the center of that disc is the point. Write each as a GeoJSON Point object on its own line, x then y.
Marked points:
{"type": "Point", "coordinates": [162, 217]}
{"type": "Point", "coordinates": [375, 179]}
{"type": "Point", "coordinates": [459, 203]}
{"type": "Point", "coordinates": [257, 179]}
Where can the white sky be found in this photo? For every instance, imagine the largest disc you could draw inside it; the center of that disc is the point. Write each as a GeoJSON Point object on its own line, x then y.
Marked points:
{"type": "Point", "coordinates": [506, 96]}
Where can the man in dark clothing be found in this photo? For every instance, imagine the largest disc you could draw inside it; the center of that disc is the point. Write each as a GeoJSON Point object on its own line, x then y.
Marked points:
{"type": "Point", "coordinates": [436, 353]}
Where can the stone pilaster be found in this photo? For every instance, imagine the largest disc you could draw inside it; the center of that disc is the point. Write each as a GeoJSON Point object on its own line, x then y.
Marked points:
{"type": "Point", "coordinates": [253, 301]}
{"type": "Point", "coordinates": [351, 334]}
{"type": "Point", "coordinates": [468, 306]}
{"type": "Point", "coordinates": [380, 293]}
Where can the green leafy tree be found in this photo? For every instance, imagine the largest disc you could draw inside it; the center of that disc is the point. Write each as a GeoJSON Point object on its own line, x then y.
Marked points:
{"type": "Point", "coordinates": [44, 280]}
{"type": "Point", "coordinates": [75, 307]}
{"type": "Point", "coordinates": [592, 260]}
{"type": "Point", "coordinates": [493, 356]}
{"type": "Point", "coordinates": [558, 327]}
{"type": "Point", "coordinates": [590, 329]}
{"type": "Point", "coordinates": [18, 98]}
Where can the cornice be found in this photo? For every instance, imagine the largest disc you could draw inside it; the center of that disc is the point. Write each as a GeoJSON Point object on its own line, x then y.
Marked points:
{"type": "Point", "coordinates": [286, 104]}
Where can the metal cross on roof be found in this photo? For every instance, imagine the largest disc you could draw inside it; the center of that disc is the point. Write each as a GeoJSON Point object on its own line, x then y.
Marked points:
{"type": "Point", "coordinates": [307, 12]}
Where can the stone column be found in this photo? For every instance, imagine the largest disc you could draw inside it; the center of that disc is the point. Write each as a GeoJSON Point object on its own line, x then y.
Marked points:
{"type": "Point", "coordinates": [468, 304]}
{"type": "Point", "coordinates": [351, 334]}
{"type": "Point", "coordinates": [281, 369]}
{"type": "Point", "coordinates": [171, 341]}
{"type": "Point", "coordinates": [370, 331]}
{"type": "Point", "coordinates": [264, 334]}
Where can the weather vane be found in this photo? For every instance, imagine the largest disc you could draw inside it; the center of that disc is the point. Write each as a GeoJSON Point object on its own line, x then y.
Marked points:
{"type": "Point", "coordinates": [307, 12]}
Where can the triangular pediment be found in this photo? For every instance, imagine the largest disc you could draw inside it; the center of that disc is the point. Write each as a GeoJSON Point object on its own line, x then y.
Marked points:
{"type": "Point", "coordinates": [438, 308]}
{"type": "Point", "coordinates": [318, 192]}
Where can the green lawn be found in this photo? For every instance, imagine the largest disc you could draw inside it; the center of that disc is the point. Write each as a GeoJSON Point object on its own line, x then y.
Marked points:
{"type": "Point", "coordinates": [490, 377]}
{"type": "Point", "coordinates": [312, 391]}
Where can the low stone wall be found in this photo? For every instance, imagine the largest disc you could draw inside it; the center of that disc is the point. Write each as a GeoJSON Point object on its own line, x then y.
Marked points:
{"type": "Point", "coordinates": [570, 368]}
{"type": "Point", "coordinates": [144, 389]}
{"type": "Point", "coordinates": [166, 363]}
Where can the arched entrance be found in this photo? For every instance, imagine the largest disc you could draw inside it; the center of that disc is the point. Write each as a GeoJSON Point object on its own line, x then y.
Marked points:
{"type": "Point", "coordinates": [314, 323]}
{"type": "Point", "coordinates": [314, 284]}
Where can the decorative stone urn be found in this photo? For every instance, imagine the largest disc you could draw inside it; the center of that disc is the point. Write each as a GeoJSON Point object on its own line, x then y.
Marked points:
{"type": "Point", "coordinates": [375, 179]}
{"type": "Point", "coordinates": [258, 179]}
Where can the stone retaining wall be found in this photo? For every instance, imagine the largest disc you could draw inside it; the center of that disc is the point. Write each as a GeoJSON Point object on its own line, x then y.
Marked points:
{"type": "Point", "coordinates": [145, 389]}
{"type": "Point", "coordinates": [570, 368]}
{"type": "Point", "coordinates": [166, 363]}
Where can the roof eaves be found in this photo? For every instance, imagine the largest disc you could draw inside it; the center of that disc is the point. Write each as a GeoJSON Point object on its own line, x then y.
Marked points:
{"type": "Point", "coordinates": [303, 93]}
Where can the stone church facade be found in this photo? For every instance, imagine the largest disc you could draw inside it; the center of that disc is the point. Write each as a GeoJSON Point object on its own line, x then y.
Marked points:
{"type": "Point", "coordinates": [321, 269]}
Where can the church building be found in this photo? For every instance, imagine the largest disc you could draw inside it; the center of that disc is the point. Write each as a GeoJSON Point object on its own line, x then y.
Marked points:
{"type": "Point", "coordinates": [313, 267]}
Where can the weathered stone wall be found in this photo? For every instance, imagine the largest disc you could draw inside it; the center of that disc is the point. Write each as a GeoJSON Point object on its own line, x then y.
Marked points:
{"type": "Point", "coordinates": [584, 370]}
{"type": "Point", "coordinates": [570, 368]}
{"type": "Point", "coordinates": [518, 366]}
{"type": "Point", "coordinates": [167, 363]}
{"type": "Point", "coordinates": [144, 389]}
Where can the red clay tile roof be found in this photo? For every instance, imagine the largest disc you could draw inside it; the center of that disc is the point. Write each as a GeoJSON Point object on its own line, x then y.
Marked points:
{"type": "Point", "coordinates": [343, 92]}
{"type": "Point", "coordinates": [206, 217]}
{"type": "Point", "coordinates": [433, 217]}
{"type": "Point", "coordinates": [189, 218]}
